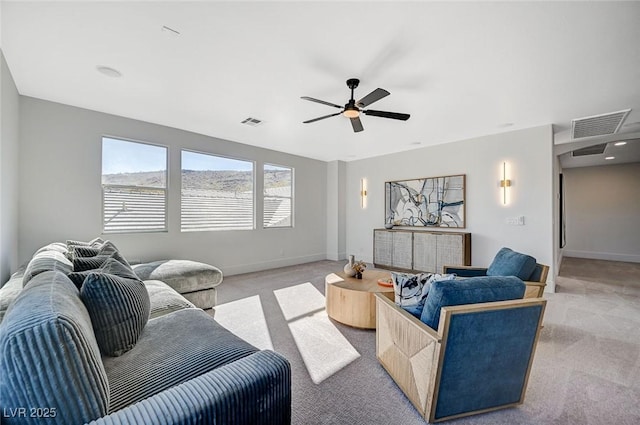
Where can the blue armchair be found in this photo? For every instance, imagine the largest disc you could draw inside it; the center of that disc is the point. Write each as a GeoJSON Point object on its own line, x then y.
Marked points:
{"type": "Point", "coordinates": [466, 354]}
{"type": "Point", "coordinates": [510, 263]}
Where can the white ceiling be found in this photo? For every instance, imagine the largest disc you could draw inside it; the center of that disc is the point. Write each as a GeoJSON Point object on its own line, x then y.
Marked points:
{"type": "Point", "coordinates": [460, 69]}
{"type": "Point", "coordinates": [617, 154]}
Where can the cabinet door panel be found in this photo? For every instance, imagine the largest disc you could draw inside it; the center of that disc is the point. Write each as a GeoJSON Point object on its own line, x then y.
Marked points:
{"type": "Point", "coordinates": [424, 252]}
{"type": "Point", "coordinates": [449, 251]}
{"type": "Point", "coordinates": [402, 246]}
{"type": "Point", "coordinates": [383, 248]}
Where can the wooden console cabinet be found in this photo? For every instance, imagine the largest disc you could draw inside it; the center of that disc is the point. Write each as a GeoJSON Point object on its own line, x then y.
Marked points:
{"type": "Point", "coordinates": [420, 250]}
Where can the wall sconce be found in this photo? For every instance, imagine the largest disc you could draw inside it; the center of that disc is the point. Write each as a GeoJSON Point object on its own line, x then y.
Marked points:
{"type": "Point", "coordinates": [363, 193]}
{"type": "Point", "coordinates": [504, 183]}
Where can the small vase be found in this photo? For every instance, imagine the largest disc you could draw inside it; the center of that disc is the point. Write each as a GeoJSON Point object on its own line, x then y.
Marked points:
{"type": "Point", "coordinates": [348, 268]}
{"type": "Point", "coordinates": [388, 224]}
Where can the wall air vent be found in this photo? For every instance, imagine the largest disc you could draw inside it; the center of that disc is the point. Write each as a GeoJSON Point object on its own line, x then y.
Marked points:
{"type": "Point", "coordinates": [590, 150]}
{"type": "Point", "coordinates": [598, 125]}
{"type": "Point", "coordinates": [253, 122]}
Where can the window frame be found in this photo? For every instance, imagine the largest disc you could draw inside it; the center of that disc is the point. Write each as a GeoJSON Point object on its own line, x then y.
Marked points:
{"type": "Point", "coordinates": [165, 229]}
{"type": "Point", "coordinates": [253, 192]}
{"type": "Point", "coordinates": [292, 197]}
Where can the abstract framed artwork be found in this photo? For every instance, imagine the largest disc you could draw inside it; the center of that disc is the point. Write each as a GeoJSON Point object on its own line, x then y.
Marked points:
{"type": "Point", "coordinates": [426, 202]}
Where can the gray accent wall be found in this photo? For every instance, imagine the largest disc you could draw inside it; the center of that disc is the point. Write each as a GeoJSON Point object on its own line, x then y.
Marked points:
{"type": "Point", "coordinates": [9, 123]}
{"type": "Point", "coordinates": [61, 198]}
{"type": "Point", "coordinates": [602, 212]}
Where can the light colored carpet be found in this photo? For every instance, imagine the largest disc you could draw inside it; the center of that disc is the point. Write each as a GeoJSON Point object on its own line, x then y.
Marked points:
{"type": "Point", "coordinates": [586, 369]}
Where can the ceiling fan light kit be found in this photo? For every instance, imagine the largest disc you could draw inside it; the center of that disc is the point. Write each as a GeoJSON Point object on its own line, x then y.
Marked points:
{"type": "Point", "coordinates": [352, 109]}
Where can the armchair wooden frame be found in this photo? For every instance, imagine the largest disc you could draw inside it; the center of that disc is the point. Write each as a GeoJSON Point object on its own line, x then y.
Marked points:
{"type": "Point", "coordinates": [414, 354]}
{"type": "Point", "coordinates": [535, 289]}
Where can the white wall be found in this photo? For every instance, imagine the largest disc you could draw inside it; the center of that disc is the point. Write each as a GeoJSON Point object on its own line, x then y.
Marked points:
{"type": "Point", "coordinates": [9, 106]}
{"type": "Point", "coordinates": [336, 209]}
{"type": "Point", "coordinates": [60, 192]}
{"type": "Point", "coordinates": [529, 157]}
{"type": "Point", "coordinates": [602, 212]}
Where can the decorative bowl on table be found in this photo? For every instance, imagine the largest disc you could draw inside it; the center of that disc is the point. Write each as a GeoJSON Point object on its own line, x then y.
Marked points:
{"type": "Point", "coordinates": [386, 282]}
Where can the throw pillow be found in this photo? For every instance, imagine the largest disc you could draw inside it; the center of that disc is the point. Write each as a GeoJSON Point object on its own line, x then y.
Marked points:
{"type": "Point", "coordinates": [511, 263]}
{"type": "Point", "coordinates": [107, 248]}
{"type": "Point", "coordinates": [119, 309]}
{"type": "Point", "coordinates": [94, 243]}
{"type": "Point", "coordinates": [110, 266]}
{"type": "Point", "coordinates": [411, 290]}
{"type": "Point", "coordinates": [84, 251]}
{"type": "Point", "coordinates": [89, 263]}
{"type": "Point", "coordinates": [76, 251]}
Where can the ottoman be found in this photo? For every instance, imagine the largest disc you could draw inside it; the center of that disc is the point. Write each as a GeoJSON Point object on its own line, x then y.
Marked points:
{"type": "Point", "coordinates": [193, 280]}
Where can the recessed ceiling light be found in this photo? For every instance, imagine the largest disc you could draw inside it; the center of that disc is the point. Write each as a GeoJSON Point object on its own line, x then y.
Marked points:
{"type": "Point", "coordinates": [109, 72]}
{"type": "Point", "coordinates": [415, 143]}
{"type": "Point", "coordinates": [620, 143]}
{"type": "Point", "coordinates": [505, 125]}
{"type": "Point", "coordinates": [610, 157]}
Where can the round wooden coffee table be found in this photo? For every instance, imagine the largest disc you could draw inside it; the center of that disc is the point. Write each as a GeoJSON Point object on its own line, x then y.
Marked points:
{"type": "Point", "coordinates": [351, 301]}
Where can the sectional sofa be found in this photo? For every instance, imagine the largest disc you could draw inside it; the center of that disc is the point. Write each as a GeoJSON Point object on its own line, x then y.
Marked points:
{"type": "Point", "coordinates": [84, 340]}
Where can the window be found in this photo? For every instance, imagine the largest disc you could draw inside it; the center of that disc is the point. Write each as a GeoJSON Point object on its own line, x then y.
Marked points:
{"type": "Point", "coordinates": [134, 186]}
{"type": "Point", "coordinates": [278, 193]}
{"type": "Point", "coordinates": [217, 193]}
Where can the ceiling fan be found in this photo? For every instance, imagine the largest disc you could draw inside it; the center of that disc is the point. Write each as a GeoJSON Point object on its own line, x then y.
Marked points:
{"type": "Point", "coordinates": [353, 109]}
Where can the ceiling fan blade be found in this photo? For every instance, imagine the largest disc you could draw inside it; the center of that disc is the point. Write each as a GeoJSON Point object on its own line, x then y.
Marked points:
{"type": "Point", "coordinates": [385, 114]}
{"type": "Point", "coordinates": [374, 96]}
{"type": "Point", "coordinates": [356, 124]}
{"type": "Point", "coordinates": [311, 99]}
{"type": "Point", "coordinates": [321, 118]}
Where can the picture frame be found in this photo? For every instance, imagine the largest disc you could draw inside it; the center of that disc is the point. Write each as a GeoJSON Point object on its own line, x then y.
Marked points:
{"type": "Point", "coordinates": [426, 202]}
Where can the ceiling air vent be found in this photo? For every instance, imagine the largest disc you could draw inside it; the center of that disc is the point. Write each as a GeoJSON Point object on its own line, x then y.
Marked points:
{"type": "Point", "coordinates": [253, 122]}
{"type": "Point", "coordinates": [598, 125]}
{"type": "Point", "coordinates": [591, 150]}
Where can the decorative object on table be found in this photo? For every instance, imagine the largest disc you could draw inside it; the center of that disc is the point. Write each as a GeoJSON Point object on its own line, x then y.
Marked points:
{"type": "Point", "coordinates": [348, 268]}
{"type": "Point", "coordinates": [359, 267]}
{"type": "Point", "coordinates": [388, 224]}
{"type": "Point", "coordinates": [427, 202]}
{"type": "Point", "coordinates": [388, 283]}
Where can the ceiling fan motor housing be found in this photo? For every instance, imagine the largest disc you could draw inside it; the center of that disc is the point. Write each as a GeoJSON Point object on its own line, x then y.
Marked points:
{"type": "Point", "coordinates": [352, 83]}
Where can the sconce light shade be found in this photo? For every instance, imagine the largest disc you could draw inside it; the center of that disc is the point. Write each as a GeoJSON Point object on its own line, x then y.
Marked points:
{"type": "Point", "coordinates": [504, 183]}
{"type": "Point", "coordinates": [363, 193]}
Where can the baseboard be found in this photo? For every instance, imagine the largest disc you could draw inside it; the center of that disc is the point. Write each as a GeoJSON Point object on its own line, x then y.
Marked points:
{"type": "Point", "coordinates": [336, 257]}
{"type": "Point", "coordinates": [272, 264]}
{"type": "Point", "coordinates": [627, 258]}
{"type": "Point", "coordinates": [551, 286]}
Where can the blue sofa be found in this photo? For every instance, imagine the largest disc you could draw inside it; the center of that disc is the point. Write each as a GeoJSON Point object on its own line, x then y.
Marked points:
{"type": "Point", "coordinates": [179, 367]}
